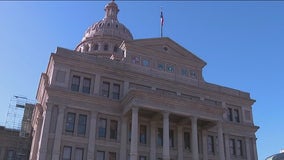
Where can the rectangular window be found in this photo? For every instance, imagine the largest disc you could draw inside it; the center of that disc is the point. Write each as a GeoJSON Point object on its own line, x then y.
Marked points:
{"type": "Point", "coordinates": [232, 146]}
{"type": "Point", "coordinates": [115, 91]}
{"type": "Point", "coordinates": [210, 144]}
{"type": "Point", "coordinates": [145, 62]}
{"type": "Point", "coordinates": [100, 155]}
{"type": "Point", "coordinates": [102, 127]}
{"type": "Point", "coordinates": [67, 151]}
{"type": "Point", "coordinates": [171, 134]}
{"type": "Point", "coordinates": [105, 89]}
{"type": "Point", "coordinates": [86, 85]}
{"type": "Point", "coordinates": [192, 74]}
{"type": "Point", "coordinates": [113, 129]}
{"type": "Point", "coordinates": [105, 47]}
{"type": "Point", "coordinates": [186, 139]}
{"type": "Point", "coordinates": [236, 115]}
{"type": "Point", "coordinates": [112, 156]}
{"type": "Point", "coordinates": [75, 83]}
{"type": "Point", "coordinates": [142, 157]}
{"type": "Point", "coordinates": [70, 122]}
{"type": "Point", "coordinates": [184, 72]}
{"type": "Point", "coordinates": [143, 132]}
{"type": "Point", "coordinates": [230, 114]}
{"type": "Point", "coordinates": [160, 137]}
{"type": "Point", "coordinates": [239, 148]}
{"type": "Point", "coordinates": [79, 154]}
{"type": "Point", "coordinates": [170, 68]}
{"type": "Point", "coordinates": [82, 123]}
{"type": "Point", "coordinates": [135, 59]}
{"type": "Point", "coordinates": [161, 66]}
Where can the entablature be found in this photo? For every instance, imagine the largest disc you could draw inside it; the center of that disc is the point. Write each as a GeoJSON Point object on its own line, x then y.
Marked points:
{"type": "Point", "coordinates": [175, 104]}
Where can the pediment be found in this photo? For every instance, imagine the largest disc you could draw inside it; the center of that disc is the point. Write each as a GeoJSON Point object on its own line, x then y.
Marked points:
{"type": "Point", "coordinates": [164, 48]}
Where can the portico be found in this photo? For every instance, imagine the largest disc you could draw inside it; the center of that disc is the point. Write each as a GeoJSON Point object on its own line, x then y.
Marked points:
{"type": "Point", "coordinates": [178, 124]}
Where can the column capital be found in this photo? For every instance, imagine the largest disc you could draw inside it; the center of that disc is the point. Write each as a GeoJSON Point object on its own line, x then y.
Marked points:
{"type": "Point", "coordinates": [193, 118]}
{"type": "Point", "coordinates": [95, 113]}
{"type": "Point", "coordinates": [135, 109]}
{"type": "Point", "coordinates": [219, 124]}
{"type": "Point", "coordinates": [165, 113]}
{"type": "Point", "coordinates": [180, 127]}
{"type": "Point", "coordinates": [61, 108]}
{"type": "Point", "coordinates": [124, 118]}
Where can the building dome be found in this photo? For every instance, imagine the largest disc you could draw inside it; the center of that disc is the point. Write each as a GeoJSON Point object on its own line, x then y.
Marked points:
{"type": "Point", "coordinates": [104, 37]}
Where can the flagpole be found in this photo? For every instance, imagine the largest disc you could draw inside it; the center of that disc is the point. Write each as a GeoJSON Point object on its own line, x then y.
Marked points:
{"type": "Point", "coordinates": [161, 30]}
{"type": "Point", "coordinates": [162, 22]}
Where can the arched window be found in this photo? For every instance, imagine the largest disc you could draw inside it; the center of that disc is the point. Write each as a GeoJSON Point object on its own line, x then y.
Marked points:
{"type": "Point", "coordinates": [105, 47]}
{"type": "Point", "coordinates": [95, 47]}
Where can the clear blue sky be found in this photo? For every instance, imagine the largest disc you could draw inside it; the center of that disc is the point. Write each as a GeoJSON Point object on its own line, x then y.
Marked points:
{"type": "Point", "coordinates": [242, 43]}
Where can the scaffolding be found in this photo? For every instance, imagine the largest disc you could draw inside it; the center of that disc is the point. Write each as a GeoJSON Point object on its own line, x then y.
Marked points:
{"type": "Point", "coordinates": [18, 125]}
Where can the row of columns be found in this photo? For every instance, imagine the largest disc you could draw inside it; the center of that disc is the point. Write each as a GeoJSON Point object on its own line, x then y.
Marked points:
{"type": "Point", "coordinates": [134, 138]}
{"type": "Point", "coordinates": [166, 145]}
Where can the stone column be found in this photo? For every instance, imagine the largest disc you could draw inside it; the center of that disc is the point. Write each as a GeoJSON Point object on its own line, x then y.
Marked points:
{"type": "Point", "coordinates": [123, 138]}
{"type": "Point", "coordinates": [221, 141]}
{"type": "Point", "coordinates": [254, 148]}
{"type": "Point", "coordinates": [227, 147]}
{"type": "Point", "coordinates": [92, 136]}
{"type": "Point", "coordinates": [97, 84]}
{"type": "Point", "coordinates": [194, 139]}
{"type": "Point", "coordinates": [58, 133]}
{"type": "Point", "coordinates": [166, 136]}
{"type": "Point", "coordinates": [134, 135]}
{"type": "Point", "coordinates": [153, 141]}
{"type": "Point", "coordinates": [204, 144]}
{"type": "Point", "coordinates": [180, 142]}
{"type": "Point", "coordinates": [44, 133]}
{"type": "Point", "coordinates": [247, 140]}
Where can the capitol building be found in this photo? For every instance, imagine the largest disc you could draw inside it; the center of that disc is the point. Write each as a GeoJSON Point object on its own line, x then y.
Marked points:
{"type": "Point", "coordinates": [113, 97]}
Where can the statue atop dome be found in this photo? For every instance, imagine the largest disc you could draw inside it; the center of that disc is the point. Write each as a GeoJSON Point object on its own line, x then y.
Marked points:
{"type": "Point", "coordinates": [111, 10]}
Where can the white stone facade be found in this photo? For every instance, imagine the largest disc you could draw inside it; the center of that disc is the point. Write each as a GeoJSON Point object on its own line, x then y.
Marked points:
{"type": "Point", "coordinates": [149, 103]}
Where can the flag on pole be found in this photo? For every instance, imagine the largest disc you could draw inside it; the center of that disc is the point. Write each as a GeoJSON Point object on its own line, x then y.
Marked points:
{"type": "Point", "coordinates": [162, 22]}
{"type": "Point", "coordinates": [162, 18]}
